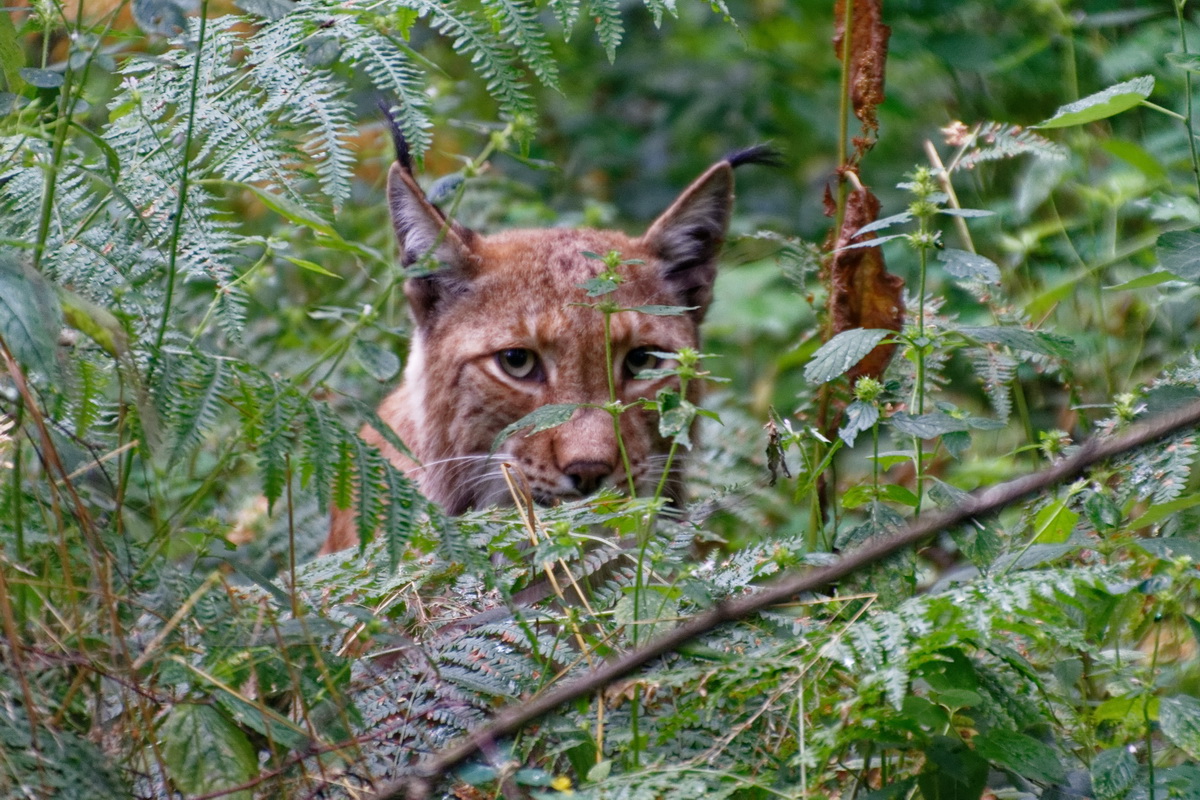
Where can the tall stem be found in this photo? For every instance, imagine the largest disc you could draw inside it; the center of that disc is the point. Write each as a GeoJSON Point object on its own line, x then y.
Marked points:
{"type": "Point", "coordinates": [1187, 95]}
{"type": "Point", "coordinates": [181, 206]}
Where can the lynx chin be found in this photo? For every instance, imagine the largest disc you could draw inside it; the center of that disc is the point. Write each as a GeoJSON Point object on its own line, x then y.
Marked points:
{"type": "Point", "coordinates": [499, 333]}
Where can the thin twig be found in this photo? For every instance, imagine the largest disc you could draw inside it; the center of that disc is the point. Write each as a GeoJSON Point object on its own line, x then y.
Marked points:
{"type": "Point", "coordinates": [514, 717]}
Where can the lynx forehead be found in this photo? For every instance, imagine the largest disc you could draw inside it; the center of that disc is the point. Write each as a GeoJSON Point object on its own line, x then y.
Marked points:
{"type": "Point", "coordinates": [502, 327]}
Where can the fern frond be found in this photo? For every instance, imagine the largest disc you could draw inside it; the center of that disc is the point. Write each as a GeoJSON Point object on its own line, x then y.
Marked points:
{"type": "Point", "coordinates": [491, 58]}
{"type": "Point", "coordinates": [196, 403]}
{"type": "Point", "coordinates": [995, 141]}
{"type": "Point", "coordinates": [609, 28]}
{"type": "Point", "coordinates": [996, 369]}
{"type": "Point", "coordinates": [567, 13]}
{"type": "Point", "coordinates": [518, 24]}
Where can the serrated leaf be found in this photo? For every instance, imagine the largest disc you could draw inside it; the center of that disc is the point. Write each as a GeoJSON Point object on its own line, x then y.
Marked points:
{"type": "Point", "coordinates": [1047, 344]}
{"type": "Point", "coordinates": [538, 420]}
{"type": "Point", "coordinates": [927, 426]}
{"type": "Point", "coordinates": [1160, 511]}
{"type": "Point", "coordinates": [1179, 253]}
{"type": "Point", "coordinates": [1179, 717]}
{"type": "Point", "coordinates": [381, 363]}
{"type": "Point", "coordinates": [964, 264]}
{"type": "Point", "coordinates": [1022, 754]}
{"type": "Point", "coordinates": [859, 417]}
{"type": "Point", "coordinates": [1101, 105]}
{"type": "Point", "coordinates": [596, 287]}
{"type": "Point", "coordinates": [30, 316]}
{"type": "Point", "coordinates": [842, 352]}
{"type": "Point", "coordinates": [1113, 773]}
{"type": "Point", "coordinates": [204, 752]}
{"type": "Point", "coordinates": [881, 224]}
{"type": "Point", "coordinates": [662, 311]}
{"type": "Point", "coordinates": [969, 213]}
{"type": "Point", "coordinates": [872, 242]}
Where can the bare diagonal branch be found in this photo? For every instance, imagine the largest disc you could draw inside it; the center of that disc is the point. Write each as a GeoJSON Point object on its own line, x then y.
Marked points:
{"type": "Point", "coordinates": [983, 503]}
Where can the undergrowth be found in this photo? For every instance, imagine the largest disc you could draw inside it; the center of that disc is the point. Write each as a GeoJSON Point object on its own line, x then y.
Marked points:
{"type": "Point", "coordinates": [175, 426]}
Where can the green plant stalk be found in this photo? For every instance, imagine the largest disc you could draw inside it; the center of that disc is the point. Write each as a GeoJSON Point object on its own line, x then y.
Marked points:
{"type": "Point", "coordinates": [638, 585]}
{"type": "Point", "coordinates": [1189, 121]}
{"type": "Point", "coordinates": [1149, 724]}
{"type": "Point", "coordinates": [613, 409]}
{"type": "Point", "coordinates": [66, 102]}
{"type": "Point", "coordinates": [181, 206]}
{"type": "Point", "coordinates": [919, 379]}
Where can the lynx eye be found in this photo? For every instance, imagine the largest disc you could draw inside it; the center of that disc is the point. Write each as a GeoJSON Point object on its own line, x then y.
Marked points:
{"type": "Point", "coordinates": [640, 359]}
{"type": "Point", "coordinates": [520, 363]}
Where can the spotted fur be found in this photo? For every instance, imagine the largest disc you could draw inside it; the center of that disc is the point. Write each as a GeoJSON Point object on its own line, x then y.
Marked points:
{"type": "Point", "coordinates": [519, 290]}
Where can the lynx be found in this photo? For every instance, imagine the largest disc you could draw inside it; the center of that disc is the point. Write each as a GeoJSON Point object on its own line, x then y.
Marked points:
{"type": "Point", "coordinates": [500, 331]}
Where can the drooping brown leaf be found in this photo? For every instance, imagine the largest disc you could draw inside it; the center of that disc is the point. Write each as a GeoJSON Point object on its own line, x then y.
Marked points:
{"type": "Point", "coordinates": [868, 59]}
{"type": "Point", "coordinates": [862, 293]}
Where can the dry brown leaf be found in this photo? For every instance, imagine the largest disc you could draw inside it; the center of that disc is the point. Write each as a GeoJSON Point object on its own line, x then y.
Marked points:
{"type": "Point", "coordinates": [868, 59]}
{"type": "Point", "coordinates": [862, 293]}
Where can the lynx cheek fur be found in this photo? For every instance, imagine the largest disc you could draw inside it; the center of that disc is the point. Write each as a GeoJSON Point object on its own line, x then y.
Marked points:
{"type": "Point", "coordinates": [498, 334]}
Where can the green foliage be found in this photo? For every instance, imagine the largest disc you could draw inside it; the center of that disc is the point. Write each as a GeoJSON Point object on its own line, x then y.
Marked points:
{"type": "Point", "coordinates": [197, 288]}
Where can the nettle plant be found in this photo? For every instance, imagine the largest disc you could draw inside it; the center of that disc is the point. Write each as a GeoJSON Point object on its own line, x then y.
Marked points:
{"type": "Point", "coordinates": [142, 660]}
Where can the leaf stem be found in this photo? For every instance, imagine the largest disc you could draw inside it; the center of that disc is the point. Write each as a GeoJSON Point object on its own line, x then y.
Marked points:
{"type": "Point", "coordinates": [1189, 120]}
{"type": "Point", "coordinates": [181, 206]}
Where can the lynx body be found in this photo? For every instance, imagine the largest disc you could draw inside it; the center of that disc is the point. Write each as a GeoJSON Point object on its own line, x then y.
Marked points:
{"type": "Point", "coordinates": [501, 330]}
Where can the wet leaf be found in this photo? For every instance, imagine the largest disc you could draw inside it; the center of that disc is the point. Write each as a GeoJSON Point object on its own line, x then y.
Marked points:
{"type": "Point", "coordinates": [1179, 717]}
{"type": "Point", "coordinates": [971, 266]}
{"type": "Point", "coordinates": [1113, 773]}
{"type": "Point", "coordinates": [205, 752]}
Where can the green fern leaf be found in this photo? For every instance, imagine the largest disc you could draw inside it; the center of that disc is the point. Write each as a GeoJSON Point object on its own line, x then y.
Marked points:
{"type": "Point", "coordinates": [519, 25]}
{"type": "Point", "coordinates": [609, 28]}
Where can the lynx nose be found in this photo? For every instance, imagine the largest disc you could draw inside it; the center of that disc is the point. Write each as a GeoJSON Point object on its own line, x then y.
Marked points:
{"type": "Point", "coordinates": [587, 475]}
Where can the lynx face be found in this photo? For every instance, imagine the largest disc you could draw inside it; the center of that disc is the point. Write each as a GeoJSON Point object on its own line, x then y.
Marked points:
{"type": "Point", "coordinates": [500, 332]}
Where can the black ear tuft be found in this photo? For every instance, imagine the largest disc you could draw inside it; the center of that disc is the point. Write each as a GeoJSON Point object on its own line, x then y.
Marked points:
{"type": "Point", "coordinates": [766, 154]}
{"type": "Point", "coordinates": [403, 155]}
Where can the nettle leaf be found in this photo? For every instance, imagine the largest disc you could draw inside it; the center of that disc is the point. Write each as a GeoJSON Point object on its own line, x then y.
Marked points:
{"type": "Point", "coordinates": [886, 222]}
{"type": "Point", "coordinates": [1179, 253]}
{"type": "Point", "coordinates": [969, 213]}
{"type": "Point", "coordinates": [30, 316]}
{"type": "Point", "coordinates": [842, 352]}
{"type": "Point", "coordinates": [927, 426]}
{"type": "Point", "coordinates": [1047, 344]}
{"type": "Point", "coordinates": [859, 417]}
{"type": "Point", "coordinates": [381, 363]}
{"type": "Point", "coordinates": [675, 418]}
{"type": "Point", "coordinates": [662, 311]}
{"type": "Point", "coordinates": [971, 266]}
{"type": "Point", "coordinates": [1179, 717]}
{"type": "Point", "coordinates": [538, 420]}
{"type": "Point", "coordinates": [1101, 105]}
{"type": "Point", "coordinates": [872, 242]}
{"type": "Point", "coordinates": [599, 286]}
{"type": "Point", "coordinates": [204, 751]}
{"type": "Point", "coordinates": [1113, 773]}
{"type": "Point", "coordinates": [1022, 754]}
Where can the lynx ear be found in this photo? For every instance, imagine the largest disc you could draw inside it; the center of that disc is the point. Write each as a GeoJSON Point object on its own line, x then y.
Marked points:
{"type": "Point", "coordinates": [422, 230]}
{"type": "Point", "coordinates": [688, 236]}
